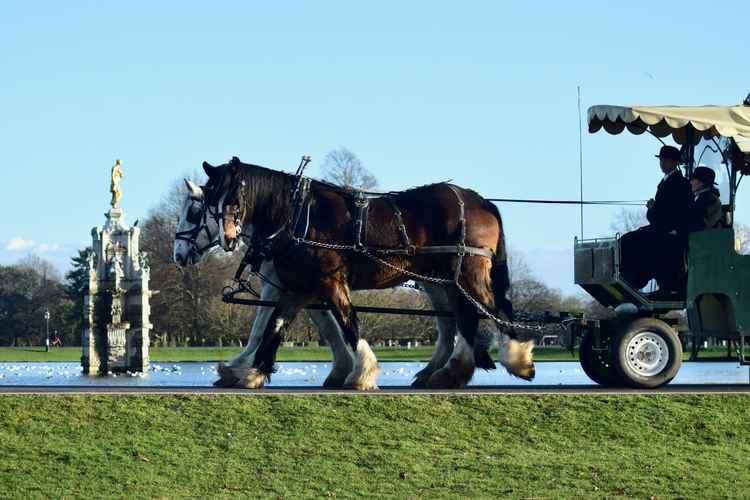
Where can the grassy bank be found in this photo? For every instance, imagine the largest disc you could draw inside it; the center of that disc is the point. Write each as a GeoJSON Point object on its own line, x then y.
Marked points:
{"type": "Point", "coordinates": [410, 446]}
{"type": "Point", "coordinates": [312, 353]}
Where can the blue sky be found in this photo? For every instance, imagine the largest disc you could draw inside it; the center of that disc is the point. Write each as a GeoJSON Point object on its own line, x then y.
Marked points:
{"type": "Point", "coordinates": [483, 93]}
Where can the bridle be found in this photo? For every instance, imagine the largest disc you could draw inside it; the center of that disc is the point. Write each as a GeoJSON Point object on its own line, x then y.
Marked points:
{"type": "Point", "coordinates": [197, 214]}
{"type": "Point", "coordinates": [260, 248]}
{"type": "Point", "coordinates": [237, 210]}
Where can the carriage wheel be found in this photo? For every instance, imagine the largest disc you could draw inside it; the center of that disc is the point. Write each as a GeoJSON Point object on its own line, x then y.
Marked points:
{"type": "Point", "coordinates": [648, 354]}
{"type": "Point", "coordinates": [598, 364]}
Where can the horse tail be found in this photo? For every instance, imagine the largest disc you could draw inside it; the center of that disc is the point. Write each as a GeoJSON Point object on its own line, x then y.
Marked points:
{"type": "Point", "coordinates": [499, 273]}
{"type": "Point", "coordinates": [515, 356]}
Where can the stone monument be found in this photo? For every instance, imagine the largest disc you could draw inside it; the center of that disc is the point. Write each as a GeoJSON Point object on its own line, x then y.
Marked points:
{"type": "Point", "coordinates": [116, 305]}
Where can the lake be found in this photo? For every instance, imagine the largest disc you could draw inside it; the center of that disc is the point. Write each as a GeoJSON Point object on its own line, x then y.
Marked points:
{"type": "Point", "coordinates": [306, 374]}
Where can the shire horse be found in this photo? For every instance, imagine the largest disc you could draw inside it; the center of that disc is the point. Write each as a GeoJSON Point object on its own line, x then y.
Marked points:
{"type": "Point", "coordinates": [197, 234]}
{"type": "Point", "coordinates": [440, 234]}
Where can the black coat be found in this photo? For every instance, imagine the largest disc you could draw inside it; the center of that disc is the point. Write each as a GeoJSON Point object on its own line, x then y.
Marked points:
{"type": "Point", "coordinates": [673, 199]}
{"type": "Point", "coordinates": [705, 212]}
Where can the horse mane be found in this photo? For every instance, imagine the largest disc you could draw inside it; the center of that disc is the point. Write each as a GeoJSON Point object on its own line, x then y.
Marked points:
{"type": "Point", "coordinates": [336, 188]}
{"type": "Point", "coordinates": [348, 190]}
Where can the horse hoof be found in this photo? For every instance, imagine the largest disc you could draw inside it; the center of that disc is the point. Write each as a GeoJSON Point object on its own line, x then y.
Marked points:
{"type": "Point", "coordinates": [226, 377]}
{"type": "Point", "coordinates": [517, 358]}
{"type": "Point", "coordinates": [336, 382]}
{"type": "Point", "coordinates": [445, 379]}
{"type": "Point", "coordinates": [360, 385]}
{"type": "Point", "coordinates": [527, 372]}
{"type": "Point", "coordinates": [419, 383]}
{"type": "Point", "coordinates": [363, 387]}
{"type": "Point", "coordinates": [245, 378]}
{"type": "Point", "coordinates": [253, 379]}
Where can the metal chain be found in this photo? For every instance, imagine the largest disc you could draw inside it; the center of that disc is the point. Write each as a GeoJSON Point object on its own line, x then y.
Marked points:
{"type": "Point", "coordinates": [443, 282]}
{"type": "Point", "coordinates": [420, 277]}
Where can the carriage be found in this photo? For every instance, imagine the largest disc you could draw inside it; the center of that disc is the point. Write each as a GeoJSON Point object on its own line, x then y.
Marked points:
{"type": "Point", "coordinates": [640, 347]}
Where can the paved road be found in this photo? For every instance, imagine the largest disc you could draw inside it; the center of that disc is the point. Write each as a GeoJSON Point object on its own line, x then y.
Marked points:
{"type": "Point", "coordinates": [385, 391]}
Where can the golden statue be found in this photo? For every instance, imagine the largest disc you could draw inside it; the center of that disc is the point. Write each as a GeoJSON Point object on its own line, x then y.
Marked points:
{"type": "Point", "coordinates": [114, 188]}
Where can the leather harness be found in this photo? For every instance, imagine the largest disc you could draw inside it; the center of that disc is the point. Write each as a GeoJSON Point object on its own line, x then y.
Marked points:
{"type": "Point", "coordinates": [298, 225]}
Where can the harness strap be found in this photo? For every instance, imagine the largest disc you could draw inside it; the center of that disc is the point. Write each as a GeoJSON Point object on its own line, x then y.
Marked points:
{"type": "Point", "coordinates": [399, 222]}
{"type": "Point", "coordinates": [461, 231]}
{"type": "Point", "coordinates": [360, 231]}
{"type": "Point", "coordinates": [457, 249]}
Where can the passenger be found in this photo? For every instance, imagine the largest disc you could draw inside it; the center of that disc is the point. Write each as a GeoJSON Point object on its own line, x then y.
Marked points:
{"type": "Point", "coordinates": [645, 250]}
{"type": "Point", "coordinates": [705, 211]}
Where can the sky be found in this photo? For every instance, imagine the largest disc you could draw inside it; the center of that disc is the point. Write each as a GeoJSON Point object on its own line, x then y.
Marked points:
{"type": "Point", "coordinates": [481, 93]}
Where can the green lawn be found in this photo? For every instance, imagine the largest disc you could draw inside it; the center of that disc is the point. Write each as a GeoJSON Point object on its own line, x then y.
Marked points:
{"type": "Point", "coordinates": [384, 447]}
{"type": "Point", "coordinates": [174, 354]}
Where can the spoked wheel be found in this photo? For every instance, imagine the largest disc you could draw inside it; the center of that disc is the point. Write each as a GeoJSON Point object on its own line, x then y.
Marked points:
{"type": "Point", "coordinates": [648, 354]}
{"type": "Point", "coordinates": [598, 363]}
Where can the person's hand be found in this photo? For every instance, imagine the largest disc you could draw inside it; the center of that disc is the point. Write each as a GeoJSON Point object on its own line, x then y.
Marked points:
{"type": "Point", "coordinates": [650, 203]}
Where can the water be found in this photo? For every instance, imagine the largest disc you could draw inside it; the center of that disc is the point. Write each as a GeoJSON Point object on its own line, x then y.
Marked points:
{"type": "Point", "coordinates": [303, 374]}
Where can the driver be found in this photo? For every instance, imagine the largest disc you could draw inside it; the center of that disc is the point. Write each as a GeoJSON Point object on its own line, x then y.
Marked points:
{"type": "Point", "coordinates": [646, 250]}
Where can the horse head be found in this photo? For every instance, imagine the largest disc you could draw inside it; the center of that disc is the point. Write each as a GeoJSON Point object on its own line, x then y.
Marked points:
{"type": "Point", "coordinates": [197, 231]}
{"type": "Point", "coordinates": [227, 201]}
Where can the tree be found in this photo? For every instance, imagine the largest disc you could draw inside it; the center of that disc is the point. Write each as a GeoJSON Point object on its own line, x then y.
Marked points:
{"type": "Point", "coordinates": [343, 167]}
{"type": "Point", "coordinates": [76, 286]}
{"type": "Point", "coordinates": [528, 293]}
{"type": "Point", "coordinates": [25, 295]}
{"type": "Point", "coordinates": [532, 295]}
{"type": "Point", "coordinates": [43, 268]}
{"type": "Point", "coordinates": [628, 220]}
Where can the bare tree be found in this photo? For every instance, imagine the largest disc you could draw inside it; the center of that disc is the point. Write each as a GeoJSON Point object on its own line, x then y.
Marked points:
{"type": "Point", "coordinates": [628, 220]}
{"type": "Point", "coordinates": [517, 266]}
{"type": "Point", "coordinates": [44, 268]}
{"type": "Point", "coordinates": [343, 167]}
{"type": "Point", "coordinates": [527, 292]}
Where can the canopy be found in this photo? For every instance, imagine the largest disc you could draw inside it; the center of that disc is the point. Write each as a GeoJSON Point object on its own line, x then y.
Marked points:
{"type": "Point", "coordinates": [709, 121]}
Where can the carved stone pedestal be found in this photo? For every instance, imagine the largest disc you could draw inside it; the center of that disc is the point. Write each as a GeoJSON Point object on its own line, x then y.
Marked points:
{"type": "Point", "coordinates": [116, 306]}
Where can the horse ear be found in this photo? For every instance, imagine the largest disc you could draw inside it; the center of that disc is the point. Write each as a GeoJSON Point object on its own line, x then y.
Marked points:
{"type": "Point", "coordinates": [209, 169]}
{"type": "Point", "coordinates": [234, 161]}
{"type": "Point", "coordinates": [195, 191]}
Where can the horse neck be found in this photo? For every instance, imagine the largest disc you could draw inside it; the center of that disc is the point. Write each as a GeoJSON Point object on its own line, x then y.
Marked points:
{"type": "Point", "coordinates": [268, 200]}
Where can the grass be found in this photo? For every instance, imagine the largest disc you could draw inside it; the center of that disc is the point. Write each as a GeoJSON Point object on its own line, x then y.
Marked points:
{"type": "Point", "coordinates": [385, 447]}
{"type": "Point", "coordinates": [310, 353]}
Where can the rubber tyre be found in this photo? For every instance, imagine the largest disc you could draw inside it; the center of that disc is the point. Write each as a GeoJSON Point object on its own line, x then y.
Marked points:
{"type": "Point", "coordinates": [647, 354]}
{"type": "Point", "coordinates": [598, 365]}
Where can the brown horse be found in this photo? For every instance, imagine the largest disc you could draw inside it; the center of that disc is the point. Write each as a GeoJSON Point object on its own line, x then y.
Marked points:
{"type": "Point", "coordinates": [435, 232]}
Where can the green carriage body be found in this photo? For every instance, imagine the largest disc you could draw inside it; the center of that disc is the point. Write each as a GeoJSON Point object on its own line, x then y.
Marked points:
{"type": "Point", "coordinates": [718, 293]}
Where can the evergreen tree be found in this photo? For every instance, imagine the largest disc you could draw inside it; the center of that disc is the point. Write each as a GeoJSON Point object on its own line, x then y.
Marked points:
{"type": "Point", "coordinates": [75, 288]}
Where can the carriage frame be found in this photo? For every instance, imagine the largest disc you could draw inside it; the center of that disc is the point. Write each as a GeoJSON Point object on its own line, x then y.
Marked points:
{"type": "Point", "coordinates": [642, 345]}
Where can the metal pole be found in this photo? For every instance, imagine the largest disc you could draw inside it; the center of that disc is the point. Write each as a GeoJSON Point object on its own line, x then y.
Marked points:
{"type": "Point", "coordinates": [580, 154]}
{"type": "Point", "coordinates": [46, 341]}
{"type": "Point", "coordinates": [359, 309]}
